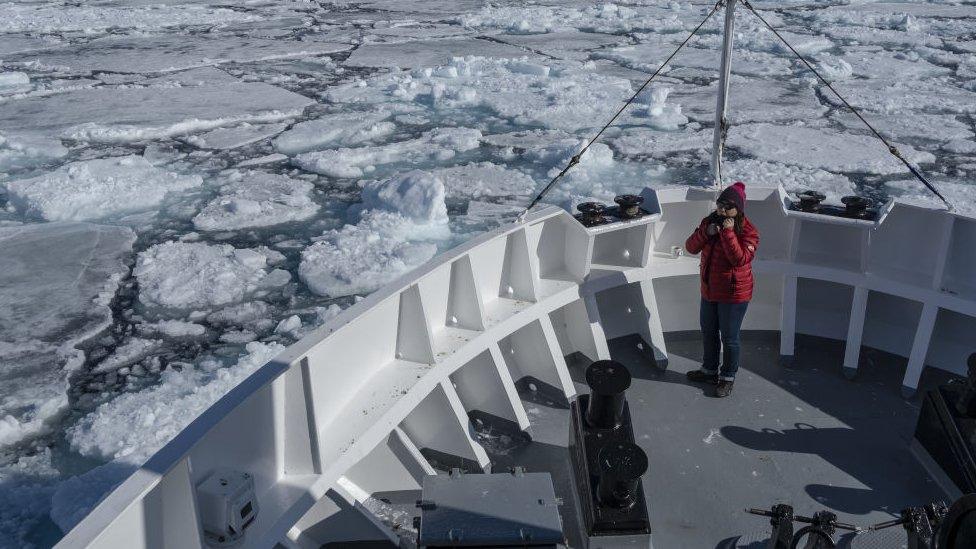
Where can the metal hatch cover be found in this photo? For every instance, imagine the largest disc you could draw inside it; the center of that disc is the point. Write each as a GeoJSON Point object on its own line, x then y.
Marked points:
{"type": "Point", "coordinates": [485, 510]}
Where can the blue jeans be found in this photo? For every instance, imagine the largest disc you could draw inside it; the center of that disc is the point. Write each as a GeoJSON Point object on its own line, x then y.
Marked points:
{"type": "Point", "coordinates": [725, 319]}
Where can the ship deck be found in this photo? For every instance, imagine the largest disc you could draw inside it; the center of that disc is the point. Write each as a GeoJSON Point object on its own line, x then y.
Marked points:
{"type": "Point", "coordinates": [803, 435]}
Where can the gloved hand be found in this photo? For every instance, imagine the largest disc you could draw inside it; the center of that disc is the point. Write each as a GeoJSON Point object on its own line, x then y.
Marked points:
{"type": "Point", "coordinates": [712, 229]}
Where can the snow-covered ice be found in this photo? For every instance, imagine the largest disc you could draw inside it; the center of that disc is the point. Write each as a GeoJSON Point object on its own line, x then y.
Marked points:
{"type": "Point", "coordinates": [818, 148]}
{"type": "Point", "coordinates": [335, 130]}
{"type": "Point", "coordinates": [144, 113]}
{"type": "Point", "coordinates": [200, 276]}
{"type": "Point", "coordinates": [400, 220]}
{"type": "Point", "coordinates": [256, 199]}
{"type": "Point", "coordinates": [154, 415]}
{"type": "Point", "coordinates": [98, 188]}
{"type": "Point", "coordinates": [152, 54]}
{"type": "Point", "coordinates": [234, 136]}
{"type": "Point", "coordinates": [436, 146]}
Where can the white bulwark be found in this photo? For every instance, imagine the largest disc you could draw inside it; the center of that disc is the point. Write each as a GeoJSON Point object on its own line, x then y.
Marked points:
{"type": "Point", "coordinates": [347, 411]}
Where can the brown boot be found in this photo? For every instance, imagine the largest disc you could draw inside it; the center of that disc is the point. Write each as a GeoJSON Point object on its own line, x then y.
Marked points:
{"type": "Point", "coordinates": [723, 389]}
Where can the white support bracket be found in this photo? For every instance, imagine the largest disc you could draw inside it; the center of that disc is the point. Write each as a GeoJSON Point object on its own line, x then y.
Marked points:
{"type": "Point", "coordinates": [596, 327]}
{"type": "Point", "coordinates": [920, 347]}
{"type": "Point", "coordinates": [787, 332]}
{"type": "Point", "coordinates": [855, 331]}
{"type": "Point", "coordinates": [655, 327]}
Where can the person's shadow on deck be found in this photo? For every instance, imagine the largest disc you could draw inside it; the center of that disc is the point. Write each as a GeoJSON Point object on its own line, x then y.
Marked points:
{"type": "Point", "coordinates": [877, 460]}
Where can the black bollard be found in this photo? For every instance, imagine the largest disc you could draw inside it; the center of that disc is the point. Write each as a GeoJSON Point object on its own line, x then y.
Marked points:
{"type": "Point", "coordinates": [621, 467]}
{"type": "Point", "coordinates": [966, 405]}
{"type": "Point", "coordinates": [607, 380]}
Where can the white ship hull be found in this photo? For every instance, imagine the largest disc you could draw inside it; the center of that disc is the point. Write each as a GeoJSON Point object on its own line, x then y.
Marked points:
{"type": "Point", "coordinates": [346, 411]}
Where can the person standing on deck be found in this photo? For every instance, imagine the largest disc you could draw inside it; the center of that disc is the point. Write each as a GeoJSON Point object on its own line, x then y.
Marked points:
{"type": "Point", "coordinates": [727, 241]}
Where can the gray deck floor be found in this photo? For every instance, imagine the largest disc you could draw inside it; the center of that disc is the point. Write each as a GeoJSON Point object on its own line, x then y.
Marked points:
{"type": "Point", "coordinates": [803, 435]}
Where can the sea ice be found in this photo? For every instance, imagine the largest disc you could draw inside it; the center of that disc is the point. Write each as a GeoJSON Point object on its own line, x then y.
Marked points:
{"type": "Point", "coordinates": [358, 259]}
{"type": "Point", "coordinates": [606, 17]}
{"type": "Point", "coordinates": [199, 276]}
{"type": "Point", "coordinates": [12, 82]}
{"type": "Point", "coordinates": [28, 483]}
{"type": "Point", "coordinates": [344, 129]}
{"type": "Point", "coordinates": [133, 350]}
{"type": "Point", "coordinates": [55, 288]}
{"type": "Point", "coordinates": [820, 148]}
{"type": "Point", "coordinates": [643, 141]}
{"type": "Point", "coordinates": [175, 52]}
{"type": "Point", "coordinates": [429, 53]}
{"type": "Point", "coordinates": [172, 328]}
{"type": "Point", "coordinates": [256, 199]}
{"type": "Point", "coordinates": [563, 45]}
{"type": "Point", "coordinates": [910, 125]}
{"type": "Point", "coordinates": [137, 114]}
{"type": "Point", "coordinates": [233, 137]}
{"type": "Point", "coordinates": [930, 95]}
{"type": "Point", "coordinates": [153, 416]}
{"type": "Point", "coordinates": [24, 151]}
{"type": "Point", "coordinates": [94, 189]}
{"type": "Point", "coordinates": [526, 93]}
{"type": "Point", "coordinates": [437, 145]}
{"type": "Point", "coordinates": [398, 218]}
{"type": "Point", "coordinates": [416, 195]}
{"type": "Point", "coordinates": [483, 179]}
{"type": "Point", "coordinates": [794, 179]}
{"type": "Point", "coordinates": [868, 62]}
{"type": "Point", "coordinates": [648, 57]}
{"type": "Point", "coordinates": [962, 195]}
{"type": "Point", "coordinates": [52, 18]}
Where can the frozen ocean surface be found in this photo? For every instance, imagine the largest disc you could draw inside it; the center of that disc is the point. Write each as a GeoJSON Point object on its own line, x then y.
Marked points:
{"type": "Point", "coordinates": [186, 186]}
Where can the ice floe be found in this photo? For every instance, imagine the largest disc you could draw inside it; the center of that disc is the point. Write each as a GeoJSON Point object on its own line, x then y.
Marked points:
{"type": "Point", "coordinates": [55, 288]}
{"type": "Point", "coordinates": [152, 54]}
{"type": "Point", "coordinates": [429, 53]}
{"type": "Point", "coordinates": [234, 136]}
{"type": "Point", "coordinates": [483, 179]}
{"type": "Point", "coordinates": [130, 352]}
{"type": "Point", "coordinates": [200, 276]}
{"type": "Point", "coordinates": [818, 148]}
{"type": "Point", "coordinates": [961, 194]}
{"type": "Point", "coordinates": [345, 129]}
{"type": "Point", "coordinates": [437, 145]}
{"type": "Point", "coordinates": [23, 151]}
{"type": "Point", "coordinates": [524, 92]}
{"type": "Point", "coordinates": [256, 199]}
{"type": "Point", "coordinates": [38, 18]}
{"type": "Point", "coordinates": [794, 179]}
{"type": "Point", "coordinates": [931, 95]}
{"type": "Point", "coordinates": [605, 17]}
{"type": "Point", "coordinates": [399, 220]}
{"type": "Point", "coordinates": [137, 114]}
{"type": "Point", "coordinates": [94, 189]}
{"type": "Point", "coordinates": [172, 328]}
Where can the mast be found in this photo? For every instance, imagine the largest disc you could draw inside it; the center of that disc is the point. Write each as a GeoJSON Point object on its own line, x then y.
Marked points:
{"type": "Point", "coordinates": [721, 123]}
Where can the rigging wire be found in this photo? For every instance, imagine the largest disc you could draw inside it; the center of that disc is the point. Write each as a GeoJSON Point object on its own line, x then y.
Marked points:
{"type": "Point", "coordinates": [576, 158]}
{"type": "Point", "coordinates": [891, 148]}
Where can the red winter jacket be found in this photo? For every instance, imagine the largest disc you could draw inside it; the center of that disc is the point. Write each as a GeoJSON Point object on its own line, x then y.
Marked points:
{"type": "Point", "coordinates": [726, 261]}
